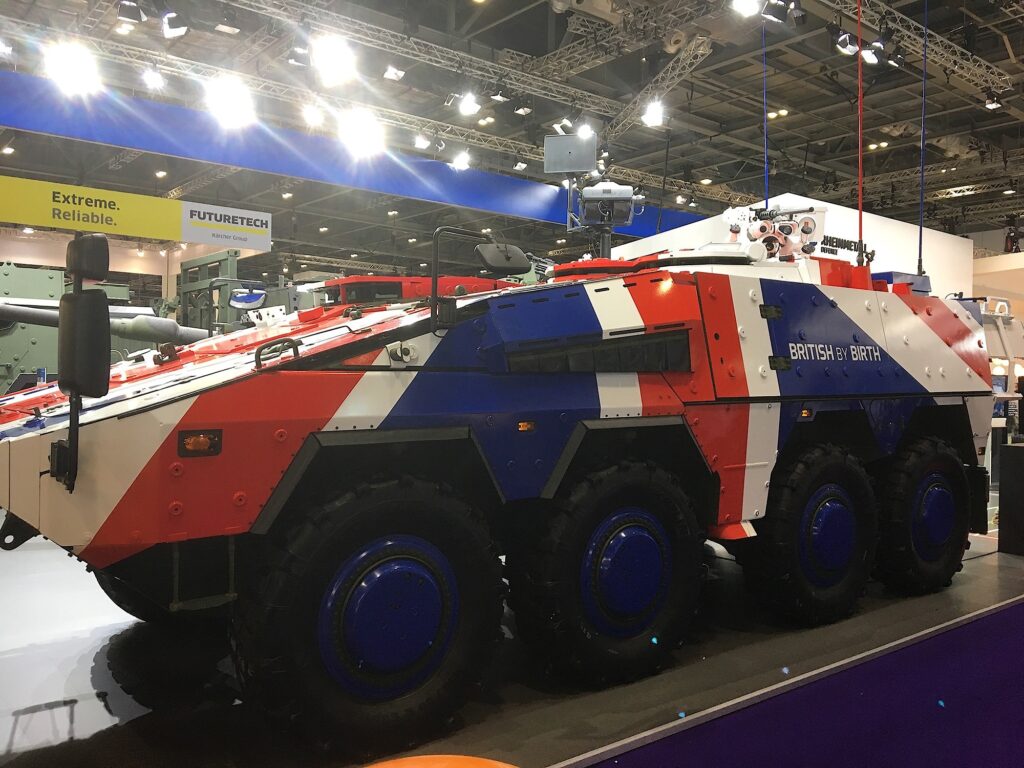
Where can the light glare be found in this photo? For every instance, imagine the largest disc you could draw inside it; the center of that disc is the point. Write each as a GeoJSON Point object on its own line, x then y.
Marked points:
{"type": "Point", "coordinates": [654, 115]}
{"type": "Point", "coordinates": [313, 115]}
{"type": "Point", "coordinates": [461, 161]}
{"type": "Point", "coordinates": [230, 102]}
{"type": "Point", "coordinates": [153, 80]}
{"type": "Point", "coordinates": [361, 133]}
{"type": "Point", "coordinates": [333, 60]}
{"type": "Point", "coordinates": [73, 68]}
{"type": "Point", "coordinates": [468, 105]}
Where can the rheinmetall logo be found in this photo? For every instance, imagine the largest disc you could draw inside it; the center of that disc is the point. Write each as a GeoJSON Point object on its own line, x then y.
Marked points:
{"type": "Point", "coordinates": [216, 217]}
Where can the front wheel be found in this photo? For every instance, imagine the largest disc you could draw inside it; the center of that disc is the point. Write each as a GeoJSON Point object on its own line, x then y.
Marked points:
{"type": "Point", "coordinates": [376, 615]}
{"type": "Point", "coordinates": [925, 518]}
{"type": "Point", "coordinates": [605, 590]}
{"type": "Point", "coordinates": [816, 542]}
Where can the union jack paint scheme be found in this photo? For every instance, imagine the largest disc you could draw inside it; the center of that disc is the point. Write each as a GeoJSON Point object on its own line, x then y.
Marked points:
{"type": "Point", "coordinates": [352, 493]}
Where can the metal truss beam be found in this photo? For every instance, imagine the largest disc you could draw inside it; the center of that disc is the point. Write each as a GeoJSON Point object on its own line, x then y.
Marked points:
{"type": "Point", "coordinates": [973, 74]}
{"type": "Point", "coordinates": [202, 180]}
{"type": "Point", "coordinates": [292, 12]}
{"type": "Point", "coordinates": [121, 53]}
{"type": "Point", "coordinates": [97, 10]}
{"type": "Point", "coordinates": [123, 158]}
{"type": "Point", "coordinates": [689, 56]}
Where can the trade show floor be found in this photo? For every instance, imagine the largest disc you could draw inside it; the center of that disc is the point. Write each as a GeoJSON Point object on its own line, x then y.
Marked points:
{"type": "Point", "coordinates": [73, 667]}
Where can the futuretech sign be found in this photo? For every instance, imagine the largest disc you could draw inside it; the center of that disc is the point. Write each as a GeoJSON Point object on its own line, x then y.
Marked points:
{"type": "Point", "coordinates": [61, 206]}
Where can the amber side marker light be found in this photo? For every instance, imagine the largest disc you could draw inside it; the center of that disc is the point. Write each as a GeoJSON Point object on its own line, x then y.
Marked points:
{"type": "Point", "coordinates": [193, 443]}
{"type": "Point", "coordinates": [806, 413]}
{"type": "Point", "coordinates": [527, 426]}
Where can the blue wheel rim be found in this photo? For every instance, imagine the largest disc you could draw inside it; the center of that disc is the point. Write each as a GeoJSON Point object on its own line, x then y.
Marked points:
{"type": "Point", "coordinates": [933, 517]}
{"type": "Point", "coordinates": [625, 572]}
{"type": "Point", "coordinates": [387, 617]}
{"type": "Point", "coordinates": [828, 536]}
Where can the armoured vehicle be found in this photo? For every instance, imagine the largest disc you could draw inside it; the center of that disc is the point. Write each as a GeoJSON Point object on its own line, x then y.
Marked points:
{"type": "Point", "coordinates": [355, 487]}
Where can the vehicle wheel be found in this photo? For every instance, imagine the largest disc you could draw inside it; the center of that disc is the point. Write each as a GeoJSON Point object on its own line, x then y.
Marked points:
{"type": "Point", "coordinates": [606, 590]}
{"type": "Point", "coordinates": [817, 538]}
{"type": "Point", "coordinates": [133, 602]}
{"type": "Point", "coordinates": [375, 616]}
{"type": "Point", "coordinates": [925, 513]}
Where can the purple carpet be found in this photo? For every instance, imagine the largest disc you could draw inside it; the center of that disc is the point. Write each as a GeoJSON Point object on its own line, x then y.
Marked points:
{"type": "Point", "coordinates": [956, 699]}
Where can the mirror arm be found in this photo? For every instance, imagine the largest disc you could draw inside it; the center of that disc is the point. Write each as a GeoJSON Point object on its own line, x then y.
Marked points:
{"type": "Point", "coordinates": [435, 264]}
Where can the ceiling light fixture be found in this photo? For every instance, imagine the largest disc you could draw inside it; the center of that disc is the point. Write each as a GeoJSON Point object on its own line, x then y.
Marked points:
{"type": "Point", "coordinates": [522, 109]}
{"type": "Point", "coordinates": [412, 240]}
{"type": "Point", "coordinates": [160, 174]}
{"type": "Point", "coordinates": [153, 80]}
{"type": "Point", "coordinates": [322, 230]}
{"type": "Point", "coordinates": [130, 12]}
{"type": "Point", "coordinates": [654, 114]}
{"type": "Point", "coordinates": [560, 241]}
{"type": "Point", "coordinates": [783, 112]}
{"type": "Point", "coordinates": [775, 11]}
{"type": "Point", "coordinates": [872, 146]}
{"type": "Point", "coordinates": [393, 73]}
{"type": "Point", "coordinates": [286, 195]}
{"type": "Point", "coordinates": [705, 181]}
{"type": "Point", "coordinates": [499, 97]}
{"type": "Point", "coordinates": [392, 213]}
{"type": "Point", "coordinates": [362, 134]}
{"type": "Point", "coordinates": [520, 165]}
{"type": "Point", "coordinates": [8, 150]}
{"type": "Point", "coordinates": [585, 131]}
{"type": "Point", "coordinates": [468, 105]}
{"type": "Point", "coordinates": [73, 68]}
{"type": "Point", "coordinates": [228, 23]}
{"type": "Point", "coordinates": [6, 50]}
{"type": "Point", "coordinates": [461, 161]}
{"type": "Point", "coordinates": [421, 142]}
{"type": "Point", "coordinates": [230, 102]}
{"type": "Point", "coordinates": [333, 60]}
{"type": "Point", "coordinates": [173, 25]}
{"type": "Point", "coordinates": [28, 230]}
{"type": "Point", "coordinates": [846, 44]}
{"type": "Point", "coordinates": [124, 28]}
{"type": "Point", "coordinates": [693, 203]}
{"type": "Point", "coordinates": [772, 115]}
{"type": "Point", "coordinates": [992, 101]}
{"type": "Point", "coordinates": [485, 231]}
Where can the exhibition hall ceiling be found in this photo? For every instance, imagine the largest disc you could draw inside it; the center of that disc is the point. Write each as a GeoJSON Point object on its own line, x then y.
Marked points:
{"type": "Point", "coordinates": [530, 67]}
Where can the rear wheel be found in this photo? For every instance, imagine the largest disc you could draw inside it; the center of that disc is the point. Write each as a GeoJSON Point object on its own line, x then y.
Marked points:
{"type": "Point", "coordinates": [925, 518]}
{"type": "Point", "coordinates": [817, 539]}
{"type": "Point", "coordinates": [376, 615]}
{"type": "Point", "coordinates": [606, 590]}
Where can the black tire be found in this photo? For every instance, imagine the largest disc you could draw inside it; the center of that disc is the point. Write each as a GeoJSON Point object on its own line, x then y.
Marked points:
{"type": "Point", "coordinates": [133, 602]}
{"type": "Point", "coordinates": [816, 542]}
{"type": "Point", "coordinates": [374, 617]}
{"type": "Point", "coordinates": [925, 518]}
{"type": "Point", "coordinates": [580, 601]}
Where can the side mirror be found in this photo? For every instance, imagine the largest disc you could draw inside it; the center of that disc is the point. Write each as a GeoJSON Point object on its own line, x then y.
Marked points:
{"type": "Point", "coordinates": [83, 344]}
{"type": "Point", "coordinates": [503, 259]}
{"type": "Point", "coordinates": [246, 299]}
{"type": "Point", "coordinates": [88, 257]}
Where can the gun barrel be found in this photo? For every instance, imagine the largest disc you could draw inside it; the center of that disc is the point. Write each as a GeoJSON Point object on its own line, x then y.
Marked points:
{"type": "Point", "coordinates": [140, 328]}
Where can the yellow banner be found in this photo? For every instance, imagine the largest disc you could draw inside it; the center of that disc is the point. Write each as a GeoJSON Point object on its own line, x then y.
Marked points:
{"type": "Point", "coordinates": [62, 206]}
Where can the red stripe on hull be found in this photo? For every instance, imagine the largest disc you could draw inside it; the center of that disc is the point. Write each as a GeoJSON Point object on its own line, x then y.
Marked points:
{"type": "Point", "coordinates": [721, 434]}
{"type": "Point", "coordinates": [948, 326]}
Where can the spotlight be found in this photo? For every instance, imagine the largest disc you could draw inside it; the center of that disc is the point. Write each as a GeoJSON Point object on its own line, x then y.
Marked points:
{"type": "Point", "coordinates": [7, 150]}
{"type": "Point", "coordinates": [229, 101]}
{"type": "Point", "coordinates": [560, 241]}
{"type": "Point", "coordinates": [160, 174]}
{"type": "Point", "coordinates": [897, 58]}
{"type": "Point", "coordinates": [173, 25]}
{"type": "Point", "coordinates": [287, 195]}
{"type": "Point", "coordinates": [390, 213]}
{"type": "Point", "coordinates": [6, 50]}
{"type": "Point", "coordinates": [846, 44]}
{"type": "Point", "coordinates": [561, 125]}
{"type": "Point", "coordinates": [772, 115]}
{"type": "Point", "coordinates": [353, 255]}
{"type": "Point", "coordinates": [421, 142]}
{"type": "Point", "coordinates": [73, 68]}
{"type": "Point", "coordinates": [130, 12]}
{"type": "Point", "coordinates": [519, 166]}
{"type": "Point", "coordinates": [522, 109]}
{"type": "Point", "coordinates": [706, 181]}
{"type": "Point", "coordinates": [361, 133]}
{"type": "Point", "coordinates": [783, 112]}
{"type": "Point", "coordinates": [322, 230]}
{"type": "Point", "coordinates": [585, 131]}
{"type": "Point", "coordinates": [485, 231]}
{"type": "Point", "coordinates": [333, 60]}
{"type": "Point", "coordinates": [468, 105]}
{"type": "Point", "coordinates": [746, 8]}
{"type": "Point", "coordinates": [992, 101]}
{"type": "Point", "coordinates": [299, 56]}
{"type": "Point", "coordinates": [499, 97]}
{"type": "Point", "coordinates": [461, 161]}
{"type": "Point", "coordinates": [798, 13]}
{"type": "Point", "coordinates": [873, 53]}
{"type": "Point", "coordinates": [654, 114]}
{"type": "Point", "coordinates": [775, 11]}
{"type": "Point", "coordinates": [681, 199]}
{"type": "Point", "coordinates": [1011, 188]}
{"type": "Point", "coordinates": [872, 146]}
{"type": "Point", "coordinates": [313, 115]}
{"type": "Point", "coordinates": [883, 144]}
{"type": "Point", "coordinates": [393, 73]}
{"type": "Point", "coordinates": [153, 80]}
{"type": "Point", "coordinates": [693, 203]}
{"type": "Point", "coordinates": [28, 231]}
{"type": "Point", "coordinates": [412, 240]}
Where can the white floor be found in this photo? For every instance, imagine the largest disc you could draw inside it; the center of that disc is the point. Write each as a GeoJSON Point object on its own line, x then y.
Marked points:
{"type": "Point", "coordinates": [55, 623]}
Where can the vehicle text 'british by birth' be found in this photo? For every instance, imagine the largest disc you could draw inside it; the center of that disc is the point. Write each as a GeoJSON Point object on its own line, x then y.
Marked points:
{"type": "Point", "coordinates": [854, 352]}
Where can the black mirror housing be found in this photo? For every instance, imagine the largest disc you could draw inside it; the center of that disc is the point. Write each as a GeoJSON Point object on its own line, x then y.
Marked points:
{"type": "Point", "coordinates": [88, 257]}
{"type": "Point", "coordinates": [503, 259]}
{"type": "Point", "coordinates": [83, 344]}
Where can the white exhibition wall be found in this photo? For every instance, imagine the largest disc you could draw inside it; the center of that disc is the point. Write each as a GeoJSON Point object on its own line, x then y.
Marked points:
{"type": "Point", "coordinates": [947, 258]}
